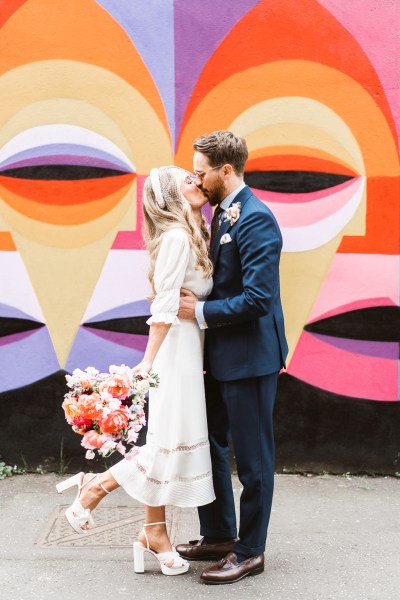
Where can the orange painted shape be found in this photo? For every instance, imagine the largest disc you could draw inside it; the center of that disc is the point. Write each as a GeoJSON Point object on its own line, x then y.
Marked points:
{"type": "Point", "coordinates": [65, 192]}
{"type": "Point", "coordinates": [8, 8]}
{"type": "Point", "coordinates": [282, 30]}
{"type": "Point", "coordinates": [64, 215]}
{"type": "Point", "coordinates": [382, 222]}
{"type": "Point", "coordinates": [6, 242]}
{"type": "Point", "coordinates": [295, 78]}
{"type": "Point", "coordinates": [297, 163]}
{"type": "Point", "coordinates": [79, 30]}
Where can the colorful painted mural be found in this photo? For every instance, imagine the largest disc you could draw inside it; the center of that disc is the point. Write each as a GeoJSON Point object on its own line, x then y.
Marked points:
{"type": "Point", "coordinates": [95, 93]}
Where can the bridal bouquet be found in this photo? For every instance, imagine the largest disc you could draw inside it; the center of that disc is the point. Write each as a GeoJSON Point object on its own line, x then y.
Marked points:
{"type": "Point", "coordinates": [107, 408]}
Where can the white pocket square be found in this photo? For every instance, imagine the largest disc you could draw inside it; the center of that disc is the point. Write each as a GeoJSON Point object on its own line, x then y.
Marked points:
{"type": "Point", "coordinates": [226, 238]}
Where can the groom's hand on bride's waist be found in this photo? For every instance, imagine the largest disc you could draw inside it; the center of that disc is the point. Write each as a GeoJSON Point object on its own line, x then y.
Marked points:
{"type": "Point", "coordinates": [187, 304]}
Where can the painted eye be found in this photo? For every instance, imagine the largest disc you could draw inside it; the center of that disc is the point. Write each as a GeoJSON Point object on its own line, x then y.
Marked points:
{"type": "Point", "coordinates": [63, 174]}
{"type": "Point", "coordinates": [313, 197]}
{"type": "Point", "coordinates": [294, 182]}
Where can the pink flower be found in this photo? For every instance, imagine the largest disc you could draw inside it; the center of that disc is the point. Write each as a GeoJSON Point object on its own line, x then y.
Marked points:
{"type": "Point", "coordinates": [118, 385]}
{"type": "Point", "coordinates": [121, 448]}
{"type": "Point", "coordinates": [115, 420]}
{"type": "Point", "coordinates": [92, 439]}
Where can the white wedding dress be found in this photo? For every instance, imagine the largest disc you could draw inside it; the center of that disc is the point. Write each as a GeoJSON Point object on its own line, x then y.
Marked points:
{"type": "Point", "coordinates": [174, 466]}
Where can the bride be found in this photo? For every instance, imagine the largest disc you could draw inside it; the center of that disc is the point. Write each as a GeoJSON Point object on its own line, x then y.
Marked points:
{"type": "Point", "coordinates": [174, 465]}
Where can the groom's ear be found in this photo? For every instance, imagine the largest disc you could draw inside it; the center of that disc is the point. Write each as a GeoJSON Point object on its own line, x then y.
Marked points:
{"type": "Point", "coordinates": [228, 170]}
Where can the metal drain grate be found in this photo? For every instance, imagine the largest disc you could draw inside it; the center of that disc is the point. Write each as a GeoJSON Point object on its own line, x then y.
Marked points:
{"type": "Point", "coordinates": [115, 527]}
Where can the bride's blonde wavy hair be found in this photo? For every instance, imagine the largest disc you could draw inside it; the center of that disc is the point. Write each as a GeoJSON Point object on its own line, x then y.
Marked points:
{"type": "Point", "coordinates": [172, 210]}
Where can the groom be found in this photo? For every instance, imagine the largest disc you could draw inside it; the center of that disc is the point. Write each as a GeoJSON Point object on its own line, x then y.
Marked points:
{"type": "Point", "coordinates": [245, 348]}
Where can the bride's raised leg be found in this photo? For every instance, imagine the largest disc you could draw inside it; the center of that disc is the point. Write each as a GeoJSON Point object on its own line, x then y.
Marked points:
{"type": "Point", "coordinates": [91, 489]}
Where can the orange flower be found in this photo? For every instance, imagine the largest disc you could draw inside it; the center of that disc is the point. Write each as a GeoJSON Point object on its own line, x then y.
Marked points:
{"type": "Point", "coordinates": [115, 420]}
{"type": "Point", "coordinates": [87, 406]}
{"type": "Point", "coordinates": [71, 409]}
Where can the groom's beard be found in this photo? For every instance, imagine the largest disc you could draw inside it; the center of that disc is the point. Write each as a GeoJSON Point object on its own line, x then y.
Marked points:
{"type": "Point", "coordinates": [216, 194]}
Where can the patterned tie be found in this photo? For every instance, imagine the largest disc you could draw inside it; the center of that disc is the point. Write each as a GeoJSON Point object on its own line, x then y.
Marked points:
{"type": "Point", "coordinates": [216, 224]}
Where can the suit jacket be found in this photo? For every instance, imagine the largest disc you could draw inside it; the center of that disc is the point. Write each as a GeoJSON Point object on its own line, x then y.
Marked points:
{"type": "Point", "coordinates": [245, 335]}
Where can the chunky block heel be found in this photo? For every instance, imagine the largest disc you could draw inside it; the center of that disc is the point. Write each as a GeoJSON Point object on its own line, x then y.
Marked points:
{"type": "Point", "coordinates": [178, 567]}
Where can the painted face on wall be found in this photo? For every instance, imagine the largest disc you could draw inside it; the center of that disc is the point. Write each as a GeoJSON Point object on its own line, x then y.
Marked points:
{"type": "Point", "coordinates": [323, 156]}
{"type": "Point", "coordinates": [93, 97]}
{"type": "Point", "coordinates": [81, 124]}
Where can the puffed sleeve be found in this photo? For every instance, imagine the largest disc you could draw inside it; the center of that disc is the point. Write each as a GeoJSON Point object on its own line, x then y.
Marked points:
{"type": "Point", "coordinates": [169, 273]}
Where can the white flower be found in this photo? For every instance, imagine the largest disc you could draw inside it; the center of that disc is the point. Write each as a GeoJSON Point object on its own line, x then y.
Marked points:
{"type": "Point", "coordinates": [142, 386]}
{"type": "Point", "coordinates": [232, 214]}
{"type": "Point", "coordinates": [89, 454]}
{"type": "Point", "coordinates": [91, 371]}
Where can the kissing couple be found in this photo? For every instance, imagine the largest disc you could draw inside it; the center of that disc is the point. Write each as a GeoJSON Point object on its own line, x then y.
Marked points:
{"type": "Point", "coordinates": [217, 342]}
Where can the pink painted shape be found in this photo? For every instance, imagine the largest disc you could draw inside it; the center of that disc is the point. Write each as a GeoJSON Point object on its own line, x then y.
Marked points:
{"type": "Point", "coordinates": [355, 277]}
{"type": "Point", "coordinates": [267, 196]}
{"type": "Point", "coordinates": [357, 305]}
{"type": "Point", "coordinates": [331, 368]}
{"type": "Point", "coordinates": [16, 337]}
{"type": "Point", "coordinates": [375, 26]}
{"type": "Point", "coordinates": [300, 215]}
{"type": "Point", "coordinates": [133, 240]}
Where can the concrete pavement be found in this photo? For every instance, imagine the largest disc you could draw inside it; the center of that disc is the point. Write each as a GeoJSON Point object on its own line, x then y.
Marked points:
{"type": "Point", "coordinates": [330, 537]}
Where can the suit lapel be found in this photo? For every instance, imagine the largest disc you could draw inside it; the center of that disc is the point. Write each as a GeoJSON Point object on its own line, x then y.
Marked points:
{"type": "Point", "coordinates": [242, 197]}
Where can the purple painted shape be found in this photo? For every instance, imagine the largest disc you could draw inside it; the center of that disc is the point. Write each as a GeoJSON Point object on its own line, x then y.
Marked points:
{"type": "Point", "coordinates": [5, 340]}
{"type": "Point", "coordinates": [132, 309]}
{"type": "Point", "coordinates": [150, 26]}
{"type": "Point", "coordinates": [14, 313]}
{"type": "Point", "coordinates": [207, 212]}
{"type": "Point", "coordinates": [90, 350]}
{"type": "Point", "coordinates": [27, 360]}
{"type": "Point", "coordinates": [79, 161]}
{"type": "Point", "coordinates": [388, 350]}
{"type": "Point", "coordinates": [130, 340]}
{"type": "Point", "coordinates": [200, 26]}
{"type": "Point", "coordinates": [76, 151]}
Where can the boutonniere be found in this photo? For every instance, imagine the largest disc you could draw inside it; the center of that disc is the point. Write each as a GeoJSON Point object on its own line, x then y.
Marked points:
{"type": "Point", "coordinates": [233, 213]}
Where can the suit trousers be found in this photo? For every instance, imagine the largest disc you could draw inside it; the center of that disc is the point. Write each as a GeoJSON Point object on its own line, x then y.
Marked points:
{"type": "Point", "coordinates": [242, 411]}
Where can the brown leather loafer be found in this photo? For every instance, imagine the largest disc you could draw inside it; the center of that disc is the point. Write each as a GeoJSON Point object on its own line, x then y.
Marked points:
{"type": "Point", "coordinates": [198, 550]}
{"type": "Point", "coordinates": [228, 570]}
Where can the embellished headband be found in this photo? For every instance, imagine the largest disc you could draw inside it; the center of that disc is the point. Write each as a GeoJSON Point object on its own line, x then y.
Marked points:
{"type": "Point", "coordinates": [156, 185]}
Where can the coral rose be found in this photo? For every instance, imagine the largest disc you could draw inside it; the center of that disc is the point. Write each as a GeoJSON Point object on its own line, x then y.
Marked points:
{"type": "Point", "coordinates": [92, 439]}
{"type": "Point", "coordinates": [115, 420]}
{"type": "Point", "coordinates": [87, 406]}
{"type": "Point", "coordinates": [71, 409]}
{"type": "Point", "coordinates": [118, 386]}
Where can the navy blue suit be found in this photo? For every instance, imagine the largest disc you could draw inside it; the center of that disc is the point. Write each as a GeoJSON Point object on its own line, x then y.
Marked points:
{"type": "Point", "coordinates": [245, 348]}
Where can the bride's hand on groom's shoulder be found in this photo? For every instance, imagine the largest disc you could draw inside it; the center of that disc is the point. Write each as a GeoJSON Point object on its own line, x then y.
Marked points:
{"type": "Point", "coordinates": [187, 303]}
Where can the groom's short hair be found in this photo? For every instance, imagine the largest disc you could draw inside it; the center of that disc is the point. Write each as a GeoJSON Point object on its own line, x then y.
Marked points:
{"type": "Point", "coordinates": [223, 147]}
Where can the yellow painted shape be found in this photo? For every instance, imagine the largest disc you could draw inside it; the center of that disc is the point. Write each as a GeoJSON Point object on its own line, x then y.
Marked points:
{"type": "Point", "coordinates": [300, 150]}
{"type": "Point", "coordinates": [148, 142]}
{"type": "Point", "coordinates": [305, 112]}
{"type": "Point", "coordinates": [298, 134]}
{"type": "Point", "coordinates": [299, 78]}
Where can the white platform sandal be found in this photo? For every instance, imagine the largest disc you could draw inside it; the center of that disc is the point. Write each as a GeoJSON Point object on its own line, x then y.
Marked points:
{"type": "Point", "coordinates": [179, 566]}
{"type": "Point", "coordinates": [76, 515]}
